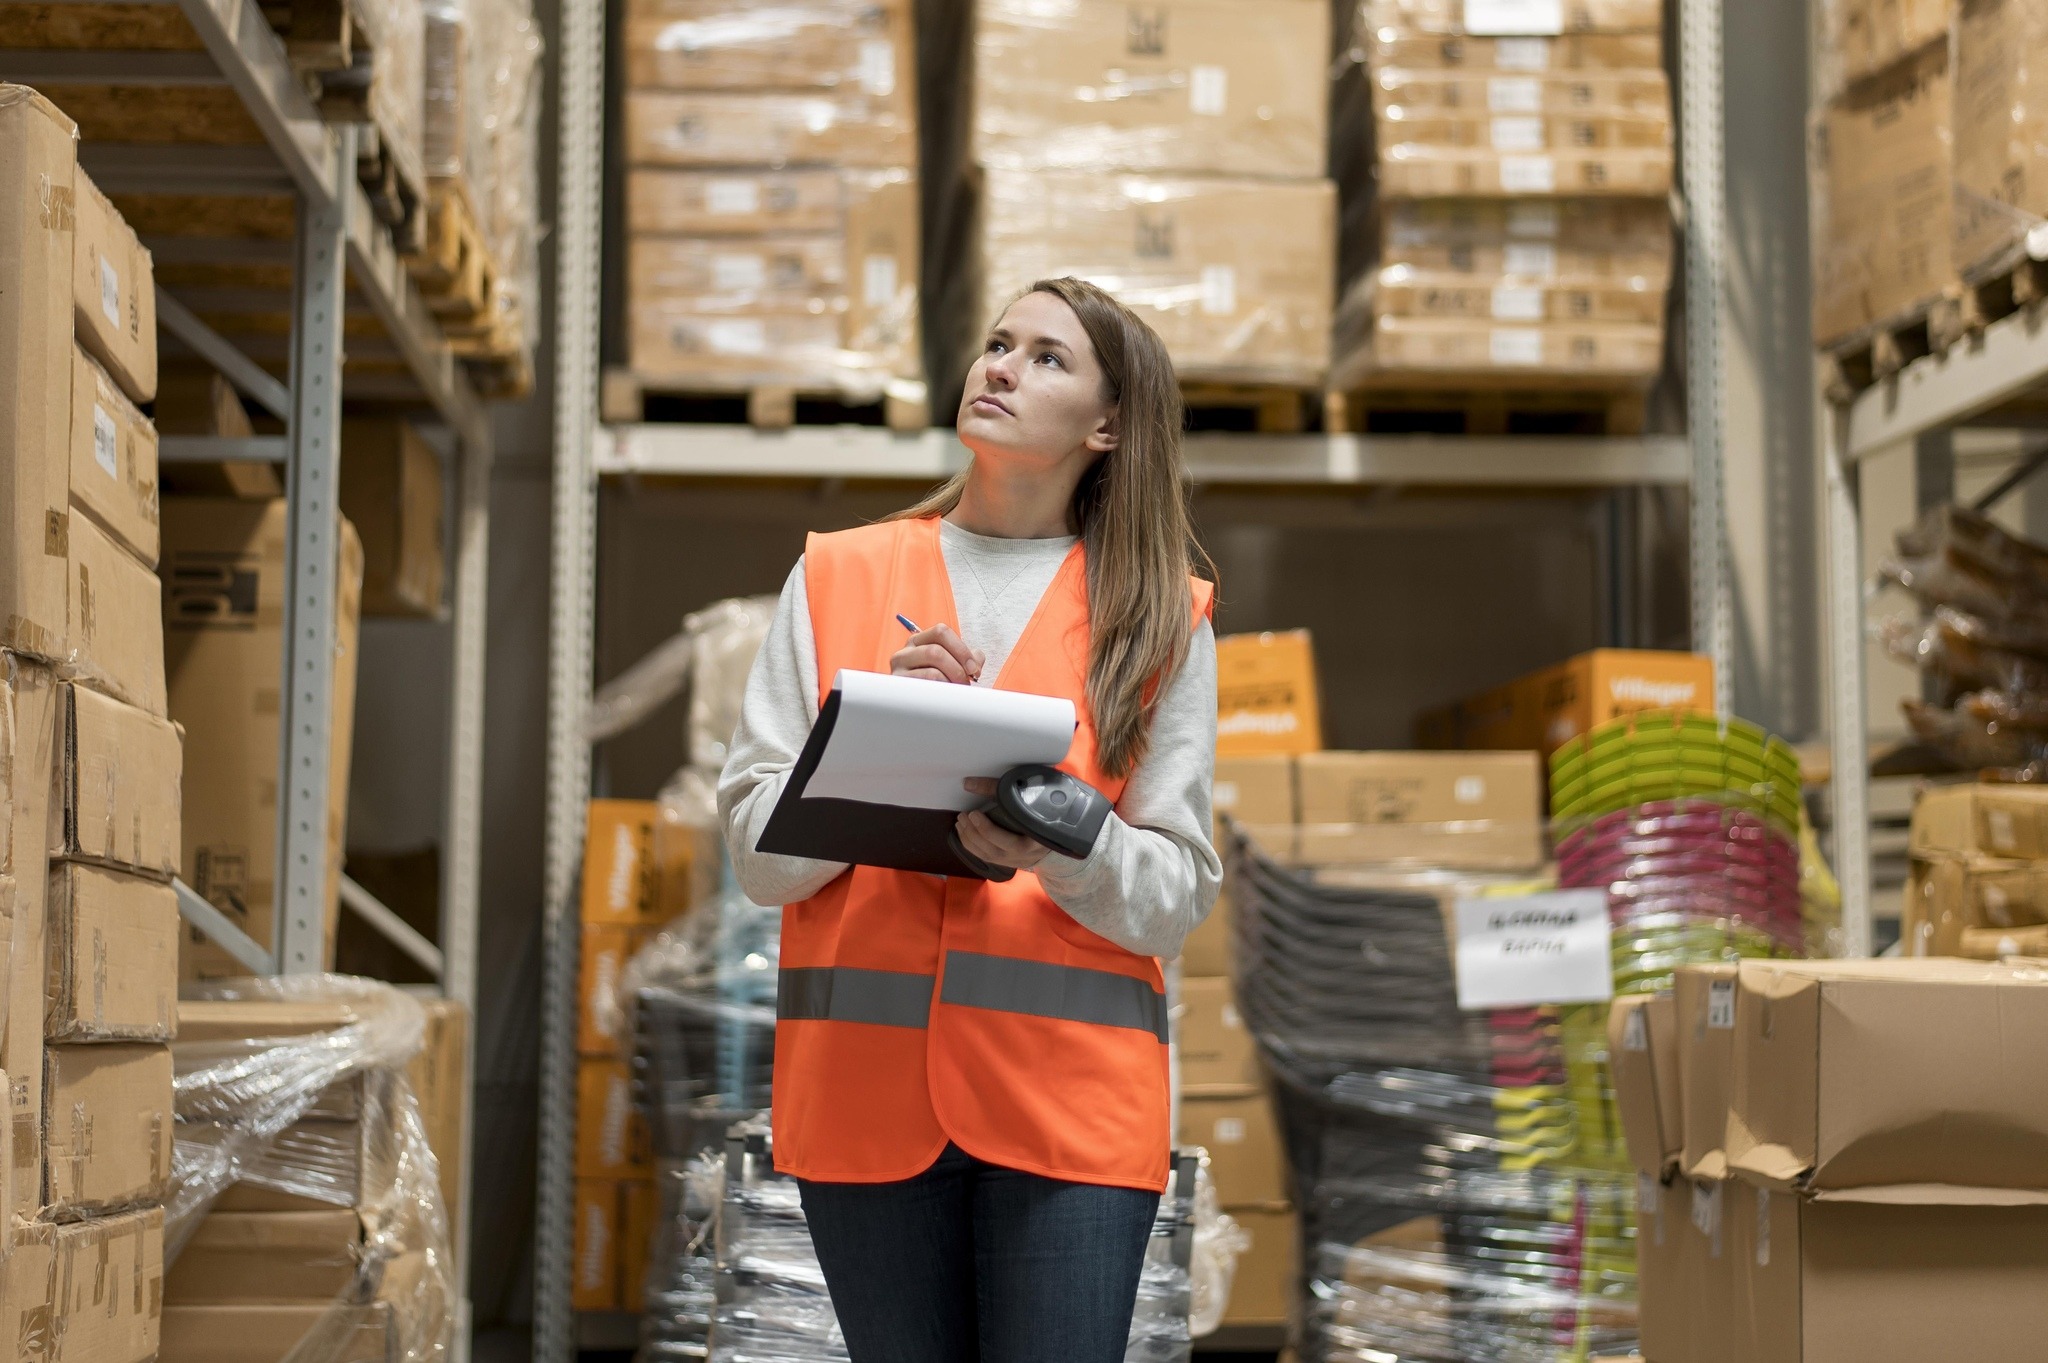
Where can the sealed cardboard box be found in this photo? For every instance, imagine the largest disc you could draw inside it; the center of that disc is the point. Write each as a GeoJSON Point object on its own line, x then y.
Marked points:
{"type": "Point", "coordinates": [1864, 1074]}
{"type": "Point", "coordinates": [611, 1133]}
{"type": "Point", "coordinates": [1236, 275]}
{"type": "Point", "coordinates": [1409, 48]}
{"type": "Point", "coordinates": [1246, 1159]}
{"type": "Point", "coordinates": [1415, 96]}
{"type": "Point", "coordinates": [1530, 239]}
{"type": "Point", "coordinates": [1393, 1282]}
{"type": "Point", "coordinates": [606, 949]}
{"type": "Point", "coordinates": [192, 399]}
{"type": "Point", "coordinates": [1884, 195]}
{"type": "Point", "coordinates": [1266, 697]}
{"type": "Point", "coordinates": [1705, 1003]}
{"type": "Point", "coordinates": [113, 293]}
{"type": "Point", "coordinates": [620, 881]}
{"type": "Point", "coordinates": [640, 1215]}
{"type": "Point", "coordinates": [30, 740]}
{"type": "Point", "coordinates": [1482, 18]}
{"type": "Point", "coordinates": [37, 228]}
{"type": "Point", "coordinates": [1262, 1292]}
{"type": "Point", "coordinates": [2001, 127]}
{"type": "Point", "coordinates": [1203, 86]}
{"type": "Point", "coordinates": [1418, 170]}
{"type": "Point", "coordinates": [112, 956]}
{"type": "Point", "coordinates": [1642, 1051]}
{"type": "Point", "coordinates": [1986, 818]}
{"type": "Point", "coordinates": [1710, 1256]}
{"type": "Point", "coordinates": [318, 1164]}
{"type": "Point", "coordinates": [391, 494]}
{"type": "Point", "coordinates": [107, 1126]}
{"type": "Point", "coordinates": [115, 619]}
{"type": "Point", "coordinates": [1865, 36]}
{"type": "Point", "coordinates": [1664, 1288]}
{"type": "Point", "coordinates": [1547, 709]}
{"type": "Point", "coordinates": [594, 1280]}
{"type": "Point", "coordinates": [1406, 293]}
{"type": "Point", "coordinates": [733, 202]}
{"type": "Point", "coordinates": [265, 1334]}
{"type": "Point", "coordinates": [728, 128]}
{"type": "Point", "coordinates": [1217, 1054]}
{"type": "Point", "coordinates": [1469, 810]}
{"type": "Point", "coordinates": [439, 1076]}
{"type": "Point", "coordinates": [268, 1257]}
{"type": "Point", "coordinates": [118, 775]}
{"type": "Point", "coordinates": [1258, 789]}
{"type": "Point", "coordinates": [96, 1286]}
{"type": "Point", "coordinates": [1566, 349]}
{"type": "Point", "coordinates": [769, 273]}
{"type": "Point", "coordinates": [224, 564]}
{"type": "Point", "coordinates": [113, 459]}
{"type": "Point", "coordinates": [816, 44]}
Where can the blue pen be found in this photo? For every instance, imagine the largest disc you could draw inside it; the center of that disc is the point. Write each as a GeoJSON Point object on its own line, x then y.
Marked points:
{"type": "Point", "coordinates": [907, 623]}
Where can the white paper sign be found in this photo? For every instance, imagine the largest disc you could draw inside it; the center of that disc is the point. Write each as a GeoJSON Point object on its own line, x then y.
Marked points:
{"type": "Point", "coordinates": [1499, 18]}
{"type": "Point", "coordinates": [1534, 949]}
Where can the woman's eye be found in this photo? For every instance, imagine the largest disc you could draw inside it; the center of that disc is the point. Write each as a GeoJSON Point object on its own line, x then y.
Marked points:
{"type": "Point", "coordinates": [1049, 358]}
{"type": "Point", "coordinates": [995, 348]}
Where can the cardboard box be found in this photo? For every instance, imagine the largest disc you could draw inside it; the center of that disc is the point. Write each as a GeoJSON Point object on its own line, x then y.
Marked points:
{"type": "Point", "coordinates": [1529, 239]}
{"type": "Point", "coordinates": [1406, 293]}
{"type": "Point", "coordinates": [1705, 1005]}
{"type": "Point", "coordinates": [37, 227]}
{"type": "Point", "coordinates": [113, 460]}
{"type": "Point", "coordinates": [1712, 1264]}
{"type": "Point", "coordinates": [391, 494]}
{"type": "Point", "coordinates": [118, 775]}
{"type": "Point", "coordinates": [620, 881]}
{"type": "Point", "coordinates": [1664, 1289]}
{"type": "Point", "coordinates": [1262, 1290]}
{"type": "Point", "coordinates": [31, 738]}
{"type": "Point", "coordinates": [1642, 1055]}
{"type": "Point", "coordinates": [1883, 191]}
{"type": "Point", "coordinates": [1981, 818]}
{"type": "Point", "coordinates": [1236, 275]}
{"type": "Point", "coordinates": [594, 1284]}
{"type": "Point", "coordinates": [440, 1079]}
{"type": "Point", "coordinates": [1217, 1054]}
{"type": "Point", "coordinates": [1177, 86]}
{"type": "Point", "coordinates": [767, 274]}
{"type": "Point", "coordinates": [735, 202]}
{"type": "Point", "coordinates": [638, 1225]}
{"type": "Point", "coordinates": [112, 957]}
{"type": "Point", "coordinates": [606, 949]}
{"type": "Point", "coordinates": [86, 1291]}
{"type": "Point", "coordinates": [611, 1133]}
{"type": "Point", "coordinates": [1408, 48]}
{"type": "Point", "coordinates": [734, 128]}
{"type": "Point", "coordinates": [1867, 36]}
{"type": "Point", "coordinates": [107, 1126]}
{"type": "Point", "coordinates": [2001, 127]}
{"type": "Point", "coordinates": [268, 1257]}
{"type": "Point", "coordinates": [1468, 810]}
{"type": "Point", "coordinates": [1247, 1161]}
{"type": "Point", "coordinates": [192, 399]}
{"type": "Point", "coordinates": [1515, 17]}
{"type": "Point", "coordinates": [1257, 790]}
{"type": "Point", "coordinates": [113, 292]}
{"type": "Point", "coordinates": [1547, 709]}
{"type": "Point", "coordinates": [115, 624]}
{"type": "Point", "coordinates": [1395, 1286]}
{"type": "Point", "coordinates": [1425, 171]}
{"type": "Point", "coordinates": [862, 45]}
{"type": "Point", "coordinates": [1889, 1073]}
{"type": "Point", "coordinates": [265, 1334]}
{"type": "Point", "coordinates": [1451, 345]}
{"type": "Point", "coordinates": [319, 1164]}
{"type": "Point", "coordinates": [1266, 699]}
{"type": "Point", "coordinates": [1417, 95]}
{"type": "Point", "coordinates": [224, 566]}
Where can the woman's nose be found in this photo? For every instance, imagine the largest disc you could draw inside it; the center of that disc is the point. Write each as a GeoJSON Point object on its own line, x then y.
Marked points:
{"type": "Point", "coordinates": [1000, 371]}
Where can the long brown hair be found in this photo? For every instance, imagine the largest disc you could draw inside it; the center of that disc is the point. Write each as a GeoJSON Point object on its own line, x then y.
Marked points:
{"type": "Point", "coordinates": [1138, 533]}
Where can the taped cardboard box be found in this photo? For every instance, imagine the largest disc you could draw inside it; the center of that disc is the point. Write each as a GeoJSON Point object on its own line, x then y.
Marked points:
{"type": "Point", "coordinates": [1179, 86]}
{"type": "Point", "coordinates": [1642, 1056]}
{"type": "Point", "coordinates": [1705, 1002]}
{"type": "Point", "coordinates": [37, 230]}
{"type": "Point", "coordinates": [1886, 1074]}
{"type": "Point", "coordinates": [319, 1164]}
{"type": "Point", "coordinates": [2001, 128]}
{"type": "Point", "coordinates": [265, 1334]}
{"type": "Point", "coordinates": [391, 494]}
{"type": "Point", "coordinates": [1267, 702]}
{"type": "Point", "coordinates": [1408, 293]}
{"type": "Point", "coordinates": [729, 128]}
{"type": "Point", "coordinates": [107, 1127]}
{"type": "Point", "coordinates": [114, 293]}
{"type": "Point", "coordinates": [1884, 195]}
{"type": "Point", "coordinates": [1568, 349]}
{"type": "Point", "coordinates": [439, 1076]}
{"type": "Point", "coordinates": [1865, 36]}
{"type": "Point", "coordinates": [1663, 1285]}
{"type": "Point", "coordinates": [1262, 1291]}
{"type": "Point", "coordinates": [31, 739]}
{"type": "Point", "coordinates": [115, 620]}
{"type": "Point", "coordinates": [621, 882]}
{"type": "Point", "coordinates": [224, 599]}
{"type": "Point", "coordinates": [862, 45]}
{"type": "Point", "coordinates": [268, 1257]}
{"type": "Point", "coordinates": [1500, 99]}
{"type": "Point", "coordinates": [118, 776]}
{"type": "Point", "coordinates": [1405, 133]}
{"type": "Point", "coordinates": [113, 460]}
{"type": "Point", "coordinates": [86, 1291]}
{"type": "Point", "coordinates": [1547, 709]}
{"type": "Point", "coordinates": [1530, 239]}
{"type": "Point", "coordinates": [1465, 810]}
{"type": "Point", "coordinates": [1417, 50]}
{"type": "Point", "coordinates": [594, 1278]}
{"type": "Point", "coordinates": [606, 949]}
{"type": "Point", "coordinates": [112, 956]}
{"type": "Point", "coordinates": [1983, 819]}
{"type": "Point", "coordinates": [1413, 169]}
{"type": "Point", "coordinates": [611, 1132]}
{"type": "Point", "coordinates": [1217, 1054]}
{"type": "Point", "coordinates": [1256, 789]}
{"type": "Point", "coordinates": [734, 202]}
{"type": "Point", "coordinates": [1710, 1257]}
{"type": "Point", "coordinates": [1247, 1161]}
{"type": "Point", "coordinates": [1236, 276]}
{"type": "Point", "coordinates": [193, 399]}
{"type": "Point", "coordinates": [1495, 18]}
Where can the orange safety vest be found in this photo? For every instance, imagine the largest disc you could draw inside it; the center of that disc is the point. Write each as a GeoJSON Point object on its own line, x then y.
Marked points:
{"type": "Point", "coordinates": [913, 1010]}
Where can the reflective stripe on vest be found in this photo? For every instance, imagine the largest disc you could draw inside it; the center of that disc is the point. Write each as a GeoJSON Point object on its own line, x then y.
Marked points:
{"type": "Point", "coordinates": [1004, 984]}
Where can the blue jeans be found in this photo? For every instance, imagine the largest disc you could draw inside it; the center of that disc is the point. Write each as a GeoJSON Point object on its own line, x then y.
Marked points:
{"type": "Point", "coordinates": [971, 1263]}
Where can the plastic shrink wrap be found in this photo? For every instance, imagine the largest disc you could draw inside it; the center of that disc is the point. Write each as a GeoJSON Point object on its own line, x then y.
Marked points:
{"type": "Point", "coordinates": [306, 1221]}
{"type": "Point", "coordinates": [1464, 1188]}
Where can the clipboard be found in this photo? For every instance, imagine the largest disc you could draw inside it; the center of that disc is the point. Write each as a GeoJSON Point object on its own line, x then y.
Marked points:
{"type": "Point", "coordinates": [911, 743]}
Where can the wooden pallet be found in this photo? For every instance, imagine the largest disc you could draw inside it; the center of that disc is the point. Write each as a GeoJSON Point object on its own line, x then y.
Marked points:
{"type": "Point", "coordinates": [394, 190]}
{"type": "Point", "coordinates": [1269, 409]}
{"type": "Point", "coordinates": [1999, 288]}
{"type": "Point", "coordinates": [452, 268]}
{"type": "Point", "coordinates": [625, 398]}
{"type": "Point", "coordinates": [1492, 407]}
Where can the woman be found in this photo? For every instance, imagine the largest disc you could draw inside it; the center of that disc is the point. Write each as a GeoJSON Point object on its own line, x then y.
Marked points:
{"type": "Point", "coordinates": [971, 1076]}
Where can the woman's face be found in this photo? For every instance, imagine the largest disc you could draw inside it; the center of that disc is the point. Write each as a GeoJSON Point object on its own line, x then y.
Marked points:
{"type": "Point", "coordinates": [1037, 392]}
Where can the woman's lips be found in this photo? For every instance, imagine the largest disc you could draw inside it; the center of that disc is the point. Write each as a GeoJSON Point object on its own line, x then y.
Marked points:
{"type": "Point", "coordinates": [985, 403]}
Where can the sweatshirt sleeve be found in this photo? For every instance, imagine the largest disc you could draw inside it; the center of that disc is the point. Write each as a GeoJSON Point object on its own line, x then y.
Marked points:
{"type": "Point", "coordinates": [1154, 874]}
{"type": "Point", "coordinates": [776, 714]}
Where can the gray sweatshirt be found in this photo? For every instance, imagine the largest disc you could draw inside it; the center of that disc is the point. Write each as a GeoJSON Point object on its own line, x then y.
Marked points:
{"type": "Point", "coordinates": [1153, 874]}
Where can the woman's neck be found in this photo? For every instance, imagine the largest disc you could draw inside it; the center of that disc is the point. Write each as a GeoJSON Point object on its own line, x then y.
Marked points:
{"type": "Point", "coordinates": [1016, 505]}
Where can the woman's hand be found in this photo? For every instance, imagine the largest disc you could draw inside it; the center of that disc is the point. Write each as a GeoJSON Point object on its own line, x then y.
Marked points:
{"type": "Point", "coordinates": [938, 654]}
{"type": "Point", "coordinates": [980, 835]}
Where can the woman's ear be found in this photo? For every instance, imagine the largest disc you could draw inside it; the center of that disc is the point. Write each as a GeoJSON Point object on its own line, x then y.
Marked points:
{"type": "Point", "coordinates": [1103, 439]}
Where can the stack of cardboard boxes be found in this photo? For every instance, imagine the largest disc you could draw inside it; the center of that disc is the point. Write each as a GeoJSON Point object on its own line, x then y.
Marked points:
{"type": "Point", "coordinates": [322, 1249]}
{"type": "Point", "coordinates": [1172, 153]}
{"type": "Point", "coordinates": [1839, 1160]}
{"type": "Point", "coordinates": [90, 765]}
{"type": "Point", "coordinates": [1979, 880]}
{"type": "Point", "coordinates": [772, 200]}
{"type": "Point", "coordinates": [1524, 156]}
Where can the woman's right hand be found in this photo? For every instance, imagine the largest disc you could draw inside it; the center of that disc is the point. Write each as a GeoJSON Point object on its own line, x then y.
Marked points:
{"type": "Point", "coordinates": [938, 654]}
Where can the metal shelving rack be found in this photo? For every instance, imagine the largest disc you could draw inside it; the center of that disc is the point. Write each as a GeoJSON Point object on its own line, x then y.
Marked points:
{"type": "Point", "coordinates": [586, 452]}
{"type": "Point", "coordinates": [338, 245]}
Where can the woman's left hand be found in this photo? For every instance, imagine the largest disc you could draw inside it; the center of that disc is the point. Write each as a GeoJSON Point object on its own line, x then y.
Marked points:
{"type": "Point", "coordinates": [998, 846]}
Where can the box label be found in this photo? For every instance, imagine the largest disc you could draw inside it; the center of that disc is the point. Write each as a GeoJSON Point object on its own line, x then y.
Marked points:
{"type": "Point", "coordinates": [726, 197]}
{"type": "Point", "coordinates": [1528, 175]}
{"type": "Point", "coordinates": [1649, 1207]}
{"type": "Point", "coordinates": [110, 291]}
{"type": "Point", "coordinates": [1534, 949]}
{"type": "Point", "coordinates": [1219, 290]}
{"type": "Point", "coordinates": [1706, 1213]}
{"type": "Point", "coordinates": [1208, 91]}
{"type": "Point", "coordinates": [737, 336]}
{"type": "Point", "coordinates": [878, 280]}
{"type": "Point", "coordinates": [738, 273]}
{"type": "Point", "coordinates": [1516, 347]}
{"type": "Point", "coordinates": [1635, 1036]}
{"type": "Point", "coordinates": [1495, 18]}
{"type": "Point", "coordinates": [1721, 1005]}
{"type": "Point", "coordinates": [1518, 303]}
{"type": "Point", "coordinates": [1522, 54]}
{"type": "Point", "coordinates": [1514, 95]}
{"type": "Point", "coordinates": [1230, 1131]}
{"type": "Point", "coordinates": [1763, 1228]}
{"type": "Point", "coordinates": [1537, 259]}
{"type": "Point", "coordinates": [878, 66]}
{"type": "Point", "coordinates": [105, 442]}
{"type": "Point", "coordinates": [1517, 134]}
{"type": "Point", "coordinates": [1534, 220]}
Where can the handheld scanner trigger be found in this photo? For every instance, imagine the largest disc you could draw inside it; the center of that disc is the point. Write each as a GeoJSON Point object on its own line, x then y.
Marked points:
{"type": "Point", "coordinates": [1051, 808]}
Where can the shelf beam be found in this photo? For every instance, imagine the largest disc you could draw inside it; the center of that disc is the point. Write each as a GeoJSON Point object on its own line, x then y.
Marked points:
{"type": "Point", "coordinates": [394, 929]}
{"type": "Point", "coordinates": [249, 377]}
{"type": "Point", "coordinates": [221, 930]}
{"type": "Point", "coordinates": [1975, 377]}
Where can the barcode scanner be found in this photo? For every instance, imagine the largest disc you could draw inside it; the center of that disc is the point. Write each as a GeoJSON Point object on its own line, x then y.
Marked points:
{"type": "Point", "coordinates": [1052, 808]}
